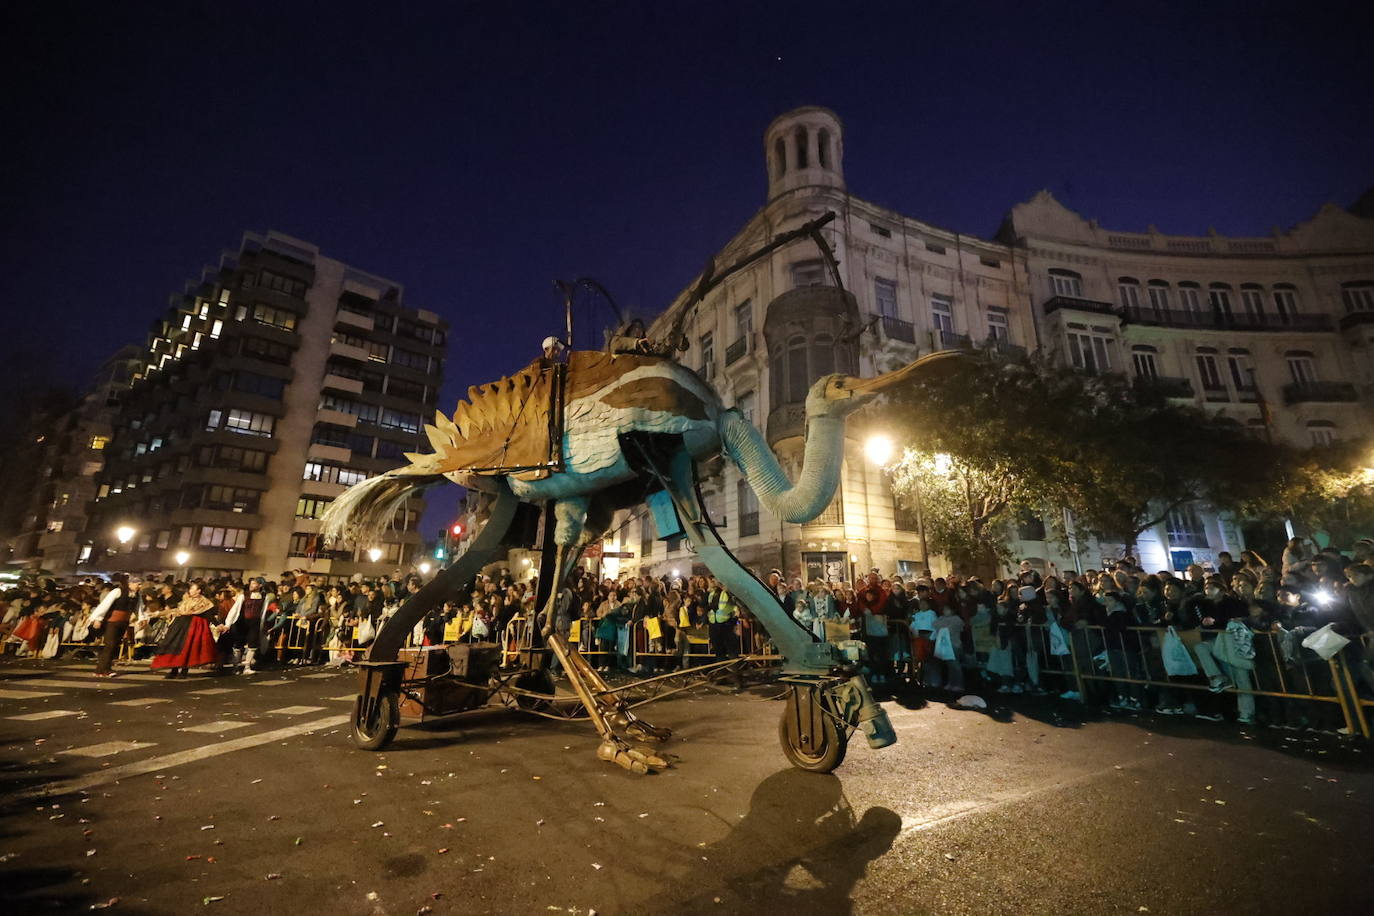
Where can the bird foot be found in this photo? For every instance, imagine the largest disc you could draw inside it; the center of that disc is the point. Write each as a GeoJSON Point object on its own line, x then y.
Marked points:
{"type": "Point", "coordinates": [632, 759]}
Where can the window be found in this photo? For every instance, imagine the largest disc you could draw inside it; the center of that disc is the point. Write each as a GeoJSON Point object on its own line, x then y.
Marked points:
{"type": "Point", "coordinates": [800, 140]}
{"type": "Point", "coordinates": [231, 499]}
{"type": "Point", "coordinates": [885, 297]}
{"type": "Point", "coordinates": [269, 351]}
{"type": "Point", "coordinates": [990, 262]}
{"type": "Point", "coordinates": [427, 333]}
{"type": "Point", "coordinates": [99, 442]}
{"type": "Point", "coordinates": [746, 404]}
{"type": "Point", "coordinates": [1252, 301]}
{"type": "Point", "coordinates": [333, 473]}
{"type": "Point", "coordinates": [998, 327]}
{"type": "Point", "coordinates": [1185, 529]}
{"type": "Point", "coordinates": [277, 318]}
{"type": "Point", "coordinates": [942, 315]}
{"type": "Point", "coordinates": [1190, 299]}
{"type": "Point", "coordinates": [1321, 432]}
{"type": "Point", "coordinates": [748, 508]}
{"type": "Point", "coordinates": [823, 148]}
{"type": "Point", "coordinates": [1143, 358]}
{"type": "Point", "coordinates": [1129, 290]}
{"type": "Point", "coordinates": [1208, 373]}
{"type": "Point", "coordinates": [881, 231]}
{"type": "Point", "coordinates": [331, 435]}
{"type": "Point", "coordinates": [744, 322]}
{"type": "Point", "coordinates": [1242, 370]}
{"type": "Point", "coordinates": [213, 420]}
{"type": "Point", "coordinates": [1066, 283]}
{"type": "Point", "coordinates": [780, 157]}
{"type": "Point", "coordinates": [1219, 298]}
{"type": "Point", "coordinates": [934, 248]}
{"type": "Point", "coordinates": [225, 456]}
{"type": "Point", "coordinates": [808, 273]}
{"type": "Point", "coordinates": [230, 540]}
{"type": "Point", "coordinates": [397, 419]}
{"type": "Point", "coordinates": [708, 355]}
{"type": "Point", "coordinates": [1089, 352]}
{"type": "Point", "coordinates": [376, 351]}
{"type": "Point", "coordinates": [1301, 367]}
{"type": "Point", "coordinates": [1159, 298]}
{"type": "Point", "coordinates": [386, 448]}
{"type": "Point", "coordinates": [1358, 296]}
{"type": "Point", "coordinates": [409, 359]}
{"type": "Point", "coordinates": [1285, 301]}
{"type": "Point", "coordinates": [217, 328]}
{"type": "Point", "coordinates": [281, 284]}
{"type": "Point", "coordinates": [410, 391]}
{"type": "Point", "coordinates": [249, 423]}
{"type": "Point", "coordinates": [264, 386]}
{"type": "Point", "coordinates": [311, 506]}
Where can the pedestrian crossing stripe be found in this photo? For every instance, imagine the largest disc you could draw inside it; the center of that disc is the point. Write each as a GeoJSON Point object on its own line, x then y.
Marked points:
{"type": "Point", "coordinates": [145, 701]}
{"type": "Point", "coordinates": [213, 691]}
{"type": "Point", "coordinates": [270, 683]}
{"type": "Point", "coordinates": [109, 748]}
{"type": "Point", "coordinates": [293, 710]}
{"type": "Point", "coordinates": [321, 675]}
{"type": "Point", "coordinates": [346, 698]}
{"type": "Point", "coordinates": [102, 684]}
{"type": "Point", "coordinates": [224, 725]}
{"type": "Point", "coordinates": [24, 694]}
{"type": "Point", "coordinates": [50, 714]}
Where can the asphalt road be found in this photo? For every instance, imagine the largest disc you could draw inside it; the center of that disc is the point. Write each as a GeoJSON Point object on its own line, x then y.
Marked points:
{"type": "Point", "coordinates": [241, 795]}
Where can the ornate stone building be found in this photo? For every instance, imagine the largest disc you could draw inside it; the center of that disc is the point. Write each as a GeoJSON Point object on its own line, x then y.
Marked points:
{"type": "Point", "coordinates": [1228, 323]}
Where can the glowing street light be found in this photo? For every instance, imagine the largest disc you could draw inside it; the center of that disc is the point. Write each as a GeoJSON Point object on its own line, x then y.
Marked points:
{"type": "Point", "coordinates": [182, 557]}
{"type": "Point", "coordinates": [425, 568]}
{"type": "Point", "coordinates": [374, 554]}
{"type": "Point", "coordinates": [943, 463]}
{"type": "Point", "coordinates": [526, 561]}
{"type": "Point", "coordinates": [125, 534]}
{"type": "Point", "coordinates": [878, 449]}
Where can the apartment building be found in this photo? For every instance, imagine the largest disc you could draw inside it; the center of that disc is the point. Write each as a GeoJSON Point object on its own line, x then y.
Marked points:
{"type": "Point", "coordinates": [267, 387]}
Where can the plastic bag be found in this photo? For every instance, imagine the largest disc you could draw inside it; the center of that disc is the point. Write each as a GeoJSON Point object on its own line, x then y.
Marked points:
{"type": "Point", "coordinates": [1059, 640]}
{"type": "Point", "coordinates": [366, 632]}
{"type": "Point", "coordinates": [999, 662]}
{"type": "Point", "coordinates": [1326, 642]}
{"type": "Point", "coordinates": [54, 642]}
{"type": "Point", "coordinates": [1178, 661]}
{"type": "Point", "coordinates": [944, 646]}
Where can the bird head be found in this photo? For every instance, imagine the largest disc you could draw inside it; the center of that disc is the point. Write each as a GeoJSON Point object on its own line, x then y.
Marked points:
{"type": "Point", "coordinates": [840, 395]}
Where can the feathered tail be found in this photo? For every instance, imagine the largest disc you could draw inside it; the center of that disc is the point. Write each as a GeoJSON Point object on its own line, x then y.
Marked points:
{"type": "Point", "coordinates": [363, 511]}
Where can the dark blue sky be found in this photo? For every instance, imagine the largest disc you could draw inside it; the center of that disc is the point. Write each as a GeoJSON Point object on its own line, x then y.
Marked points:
{"type": "Point", "coordinates": [475, 152]}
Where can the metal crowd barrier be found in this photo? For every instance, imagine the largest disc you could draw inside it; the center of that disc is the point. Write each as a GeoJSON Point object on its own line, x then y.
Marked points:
{"type": "Point", "coordinates": [1290, 673]}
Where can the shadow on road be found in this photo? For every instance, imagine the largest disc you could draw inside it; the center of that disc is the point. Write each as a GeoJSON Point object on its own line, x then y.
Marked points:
{"type": "Point", "coordinates": [799, 849]}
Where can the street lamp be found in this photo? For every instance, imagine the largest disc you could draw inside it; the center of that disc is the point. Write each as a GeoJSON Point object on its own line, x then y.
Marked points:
{"type": "Point", "coordinates": [943, 463]}
{"type": "Point", "coordinates": [125, 534]}
{"type": "Point", "coordinates": [374, 554]}
{"type": "Point", "coordinates": [878, 449]}
{"type": "Point", "coordinates": [182, 557]}
{"type": "Point", "coordinates": [425, 568]}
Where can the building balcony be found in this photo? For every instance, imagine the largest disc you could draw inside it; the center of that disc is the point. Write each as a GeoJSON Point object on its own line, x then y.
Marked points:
{"type": "Point", "coordinates": [320, 452]}
{"type": "Point", "coordinates": [897, 329]}
{"type": "Point", "coordinates": [1215, 394]}
{"type": "Point", "coordinates": [786, 421]}
{"type": "Point", "coordinates": [1209, 320]}
{"type": "Point", "coordinates": [1355, 319]}
{"type": "Point", "coordinates": [338, 348]}
{"type": "Point", "coordinates": [354, 320]}
{"type": "Point", "coordinates": [337, 417]}
{"type": "Point", "coordinates": [1319, 393]}
{"type": "Point", "coordinates": [1073, 303]}
{"type": "Point", "coordinates": [1004, 349]}
{"type": "Point", "coordinates": [1180, 388]}
{"type": "Point", "coordinates": [321, 488]}
{"type": "Point", "coordinates": [948, 340]}
{"type": "Point", "coordinates": [339, 383]}
{"type": "Point", "coordinates": [1248, 394]}
{"type": "Point", "coordinates": [736, 350]}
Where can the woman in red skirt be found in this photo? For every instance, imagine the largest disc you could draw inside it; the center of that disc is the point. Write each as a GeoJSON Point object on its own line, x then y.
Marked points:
{"type": "Point", "coordinates": [189, 642]}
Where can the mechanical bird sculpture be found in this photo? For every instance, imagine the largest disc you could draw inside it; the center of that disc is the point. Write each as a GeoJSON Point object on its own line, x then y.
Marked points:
{"type": "Point", "coordinates": [598, 431]}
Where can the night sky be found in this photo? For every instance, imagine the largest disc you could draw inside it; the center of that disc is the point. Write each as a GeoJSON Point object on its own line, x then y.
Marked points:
{"type": "Point", "coordinates": [475, 152]}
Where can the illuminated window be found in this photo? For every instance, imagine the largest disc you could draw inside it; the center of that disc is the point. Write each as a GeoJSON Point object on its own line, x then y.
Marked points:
{"type": "Point", "coordinates": [99, 442]}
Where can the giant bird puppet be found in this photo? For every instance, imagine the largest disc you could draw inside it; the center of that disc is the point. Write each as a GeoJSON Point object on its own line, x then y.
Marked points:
{"type": "Point", "coordinates": [586, 433]}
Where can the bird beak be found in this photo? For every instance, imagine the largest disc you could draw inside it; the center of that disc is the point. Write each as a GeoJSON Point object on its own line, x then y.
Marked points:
{"type": "Point", "coordinates": [930, 366]}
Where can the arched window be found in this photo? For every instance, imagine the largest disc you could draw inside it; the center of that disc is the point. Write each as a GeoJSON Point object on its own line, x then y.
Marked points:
{"type": "Point", "coordinates": [1066, 282]}
{"type": "Point", "coordinates": [797, 380]}
{"type": "Point", "coordinates": [1143, 359]}
{"type": "Point", "coordinates": [1286, 301]}
{"type": "Point", "coordinates": [1190, 301]}
{"type": "Point", "coordinates": [1252, 301]}
{"type": "Point", "coordinates": [1159, 298]}
{"type": "Point", "coordinates": [1129, 289]}
{"type": "Point", "coordinates": [777, 377]}
{"type": "Point", "coordinates": [802, 155]}
{"type": "Point", "coordinates": [1219, 298]}
{"type": "Point", "coordinates": [822, 356]}
{"type": "Point", "coordinates": [823, 148]}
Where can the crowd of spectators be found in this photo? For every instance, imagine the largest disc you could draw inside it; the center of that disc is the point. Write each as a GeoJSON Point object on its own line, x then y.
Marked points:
{"type": "Point", "coordinates": [1213, 643]}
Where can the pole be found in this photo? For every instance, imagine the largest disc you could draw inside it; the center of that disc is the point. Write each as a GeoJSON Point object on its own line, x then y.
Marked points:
{"type": "Point", "coordinates": [921, 522]}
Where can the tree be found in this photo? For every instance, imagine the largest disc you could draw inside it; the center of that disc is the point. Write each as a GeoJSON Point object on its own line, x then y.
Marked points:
{"type": "Point", "coordinates": [1121, 456]}
{"type": "Point", "coordinates": [1328, 488]}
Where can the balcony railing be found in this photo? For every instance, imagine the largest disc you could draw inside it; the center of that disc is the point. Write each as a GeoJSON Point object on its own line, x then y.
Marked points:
{"type": "Point", "coordinates": [1212, 321]}
{"type": "Point", "coordinates": [1055, 303]}
{"type": "Point", "coordinates": [1247, 394]}
{"type": "Point", "coordinates": [948, 340]}
{"type": "Point", "coordinates": [1165, 386]}
{"type": "Point", "coordinates": [1356, 318]}
{"type": "Point", "coordinates": [1319, 392]}
{"type": "Point", "coordinates": [1215, 394]}
{"type": "Point", "coordinates": [897, 329]}
{"type": "Point", "coordinates": [736, 350]}
{"type": "Point", "coordinates": [1004, 348]}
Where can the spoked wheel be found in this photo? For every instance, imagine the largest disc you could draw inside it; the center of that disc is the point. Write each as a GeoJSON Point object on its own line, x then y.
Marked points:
{"type": "Point", "coordinates": [540, 681]}
{"type": "Point", "coordinates": [375, 724]}
{"type": "Point", "coordinates": [811, 739]}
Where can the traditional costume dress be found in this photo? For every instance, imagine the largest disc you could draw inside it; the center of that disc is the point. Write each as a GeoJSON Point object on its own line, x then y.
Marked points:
{"type": "Point", "coordinates": [189, 642]}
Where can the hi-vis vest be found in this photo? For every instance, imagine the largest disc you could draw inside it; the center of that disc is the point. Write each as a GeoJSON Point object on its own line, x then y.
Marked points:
{"type": "Point", "coordinates": [723, 610]}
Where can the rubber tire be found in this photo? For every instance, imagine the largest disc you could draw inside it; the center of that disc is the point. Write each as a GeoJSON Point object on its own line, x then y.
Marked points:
{"type": "Point", "coordinates": [540, 681]}
{"type": "Point", "coordinates": [834, 742]}
{"type": "Point", "coordinates": [388, 720]}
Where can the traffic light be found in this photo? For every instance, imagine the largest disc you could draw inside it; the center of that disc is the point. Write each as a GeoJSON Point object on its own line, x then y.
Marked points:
{"type": "Point", "coordinates": [438, 553]}
{"type": "Point", "coordinates": [456, 530]}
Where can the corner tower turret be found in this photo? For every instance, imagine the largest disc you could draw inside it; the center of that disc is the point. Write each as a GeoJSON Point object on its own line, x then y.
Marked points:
{"type": "Point", "coordinates": [804, 147]}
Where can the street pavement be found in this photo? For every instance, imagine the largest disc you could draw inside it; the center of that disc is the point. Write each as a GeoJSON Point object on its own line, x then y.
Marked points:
{"type": "Point", "coordinates": [242, 795]}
